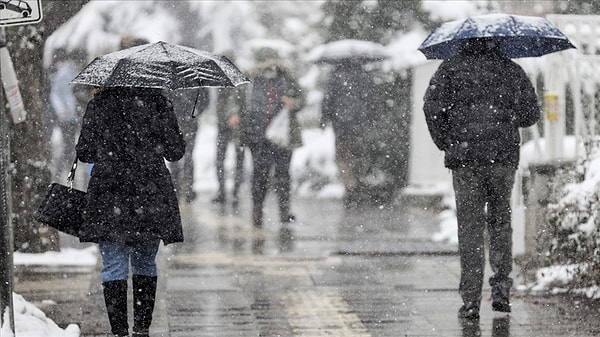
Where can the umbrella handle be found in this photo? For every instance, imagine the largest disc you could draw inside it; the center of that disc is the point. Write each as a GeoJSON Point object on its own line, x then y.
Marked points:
{"type": "Point", "coordinates": [71, 175]}
{"type": "Point", "coordinates": [196, 103]}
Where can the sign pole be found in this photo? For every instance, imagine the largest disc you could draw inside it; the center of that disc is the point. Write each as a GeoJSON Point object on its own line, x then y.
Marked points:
{"type": "Point", "coordinates": [7, 245]}
{"type": "Point", "coordinates": [29, 12]}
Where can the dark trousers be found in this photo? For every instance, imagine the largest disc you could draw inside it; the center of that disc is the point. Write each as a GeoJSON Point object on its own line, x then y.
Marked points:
{"type": "Point", "coordinates": [182, 171]}
{"type": "Point", "coordinates": [224, 137]}
{"type": "Point", "coordinates": [266, 156]}
{"type": "Point", "coordinates": [483, 201]}
{"type": "Point", "coordinates": [351, 159]}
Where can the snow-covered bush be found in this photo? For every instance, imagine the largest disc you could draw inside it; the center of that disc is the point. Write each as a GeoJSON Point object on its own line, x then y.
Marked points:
{"type": "Point", "coordinates": [572, 235]}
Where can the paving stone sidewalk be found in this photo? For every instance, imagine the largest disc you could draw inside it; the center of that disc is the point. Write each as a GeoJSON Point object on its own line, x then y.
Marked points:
{"type": "Point", "coordinates": [366, 272]}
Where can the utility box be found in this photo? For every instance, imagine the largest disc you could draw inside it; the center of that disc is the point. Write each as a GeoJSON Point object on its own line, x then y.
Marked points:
{"type": "Point", "coordinates": [537, 190]}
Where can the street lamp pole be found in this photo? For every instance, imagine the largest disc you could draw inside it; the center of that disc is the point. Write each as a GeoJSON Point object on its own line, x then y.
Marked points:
{"type": "Point", "coordinates": [6, 242]}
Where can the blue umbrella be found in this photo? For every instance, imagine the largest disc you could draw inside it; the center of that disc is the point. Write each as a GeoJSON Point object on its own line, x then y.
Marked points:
{"type": "Point", "coordinates": [518, 36]}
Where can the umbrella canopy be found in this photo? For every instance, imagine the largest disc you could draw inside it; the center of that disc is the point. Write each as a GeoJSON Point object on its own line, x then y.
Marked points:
{"type": "Point", "coordinates": [161, 65]}
{"type": "Point", "coordinates": [348, 50]}
{"type": "Point", "coordinates": [518, 36]}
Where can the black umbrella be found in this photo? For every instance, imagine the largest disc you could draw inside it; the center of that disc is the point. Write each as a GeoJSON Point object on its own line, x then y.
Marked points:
{"type": "Point", "coordinates": [161, 65]}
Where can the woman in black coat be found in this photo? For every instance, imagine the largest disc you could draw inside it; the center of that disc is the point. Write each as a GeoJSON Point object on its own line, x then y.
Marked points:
{"type": "Point", "coordinates": [127, 133]}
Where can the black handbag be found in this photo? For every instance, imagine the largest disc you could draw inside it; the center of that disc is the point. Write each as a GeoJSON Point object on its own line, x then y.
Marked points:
{"type": "Point", "coordinates": [63, 206]}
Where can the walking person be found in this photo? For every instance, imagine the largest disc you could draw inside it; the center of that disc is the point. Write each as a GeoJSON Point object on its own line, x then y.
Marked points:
{"type": "Point", "coordinates": [132, 205]}
{"type": "Point", "coordinates": [274, 91]}
{"type": "Point", "coordinates": [188, 105]}
{"type": "Point", "coordinates": [65, 107]}
{"type": "Point", "coordinates": [474, 106]}
{"type": "Point", "coordinates": [350, 101]}
{"type": "Point", "coordinates": [231, 103]}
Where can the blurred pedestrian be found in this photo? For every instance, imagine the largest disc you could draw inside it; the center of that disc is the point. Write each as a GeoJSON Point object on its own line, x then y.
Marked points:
{"type": "Point", "coordinates": [350, 102]}
{"type": "Point", "coordinates": [274, 91]}
{"type": "Point", "coordinates": [188, 105]}
{"type": "Point", "coordinates": [66, 111]}
{"type": "Point", "coordinates": [474, 106]}
{"type": "Point", "coordinates": [128, 41]}
{"type": "Point", "coordinates": [132, 205]}
{"type": "Point", "coordinates": [231, 102]}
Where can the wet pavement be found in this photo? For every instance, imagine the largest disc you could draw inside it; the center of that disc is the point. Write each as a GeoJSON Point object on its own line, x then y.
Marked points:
{"type": "Point", "coordinates": [364, 272]}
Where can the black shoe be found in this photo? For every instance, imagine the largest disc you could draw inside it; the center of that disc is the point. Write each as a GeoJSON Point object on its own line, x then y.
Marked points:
{"type": "Point", "coordinates": [288, 219]}
{"type": "Point", "coordinates": [219, 199]}
{"type": "Point", "coordinates": [257, 222]}
{"type": "Point", "coordinates": [501, 306]}
{"type": "Point", "coordinates": [235, 203]}
{"type": "Point", "coordinates": [190, 197]}
{"type": "Point", "coordinates": [469, 310]}
{"type": "Point", "coordinates": [500, 296]}
{"type": "Point", "coordinates": [351, 199]}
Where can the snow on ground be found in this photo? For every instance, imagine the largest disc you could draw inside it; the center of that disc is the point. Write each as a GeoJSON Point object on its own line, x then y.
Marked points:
{"type": "Point", "coordinates": [31, 321]}
{"type": "Point", "coordinates": [86, 257]}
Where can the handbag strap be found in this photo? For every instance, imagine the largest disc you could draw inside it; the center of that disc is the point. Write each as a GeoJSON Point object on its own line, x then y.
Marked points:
{"type": "Point", "coordinates": [71, 175]}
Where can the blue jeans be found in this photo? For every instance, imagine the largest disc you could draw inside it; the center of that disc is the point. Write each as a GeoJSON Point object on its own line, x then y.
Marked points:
{"type": "Point", "coordinates": [117, 256]}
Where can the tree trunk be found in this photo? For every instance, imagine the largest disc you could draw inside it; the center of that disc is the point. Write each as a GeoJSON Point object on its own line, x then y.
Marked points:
{"type": "Point", "coordinates": [30, 171]}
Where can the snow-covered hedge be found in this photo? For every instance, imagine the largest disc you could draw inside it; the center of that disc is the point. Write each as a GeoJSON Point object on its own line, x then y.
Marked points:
{"type": "Point", "coordinates": [572, 235]}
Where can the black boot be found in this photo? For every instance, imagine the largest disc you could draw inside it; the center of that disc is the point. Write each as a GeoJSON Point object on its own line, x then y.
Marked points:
{"type": "Point", "coordinates": [500, 297]}
{"type": "Point", "coordinates": [220, 198]}
{"type": "Point", "coordinates": [144, 294]}
{"type": "Point", "coordinates": [469, 310]}
{"type": "Point", "coordinates": [501, 285]}
{"type": "Point", "coordinates": [115, 297]}
{"type": "Point", "coordinates": [257, 217]}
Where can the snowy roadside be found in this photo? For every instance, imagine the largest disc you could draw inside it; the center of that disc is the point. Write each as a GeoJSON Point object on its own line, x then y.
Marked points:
{"type": "Point", "coordinates": [30, 321]}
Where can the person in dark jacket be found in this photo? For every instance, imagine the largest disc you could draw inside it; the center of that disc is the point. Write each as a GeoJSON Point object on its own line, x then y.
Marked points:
{"type": "Point", "coordinates": [349, 103]}
{"type": "Point", "coordinates": [188, 104]}
{"type": "Point", "coordinates": [66, 110]}
{"type": "Point", "coordinates": [474, 106]}
{"type": "Point", "coordinates": [127, 133]}
{"type": "Point", "coordinates": [273, 90]}
{"type": "Point", "coordinates": [231, 102]}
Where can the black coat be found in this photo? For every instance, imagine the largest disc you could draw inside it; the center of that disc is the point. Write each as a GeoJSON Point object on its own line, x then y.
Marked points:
{"type": "Point", "coordinates": [474, 106]}
{"type": "Point", "coordinates": [265, 104]}
{"type": "Point", "coordinates": [350, 101]}
{"type": "Point", "coordinates": [128, 134]}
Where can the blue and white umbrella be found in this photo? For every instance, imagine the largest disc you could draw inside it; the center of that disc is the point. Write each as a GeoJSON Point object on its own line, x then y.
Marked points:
{"type": "Point", "coordinates": [518, 36]}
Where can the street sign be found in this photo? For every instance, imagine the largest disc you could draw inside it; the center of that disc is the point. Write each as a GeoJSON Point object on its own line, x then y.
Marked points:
{"type": "Point", "coordinates": [20, 12]}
